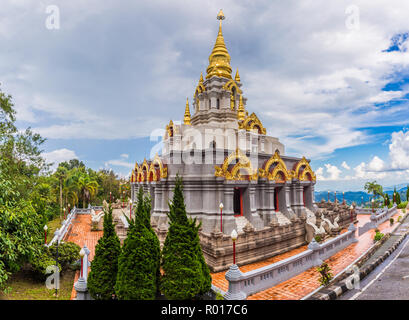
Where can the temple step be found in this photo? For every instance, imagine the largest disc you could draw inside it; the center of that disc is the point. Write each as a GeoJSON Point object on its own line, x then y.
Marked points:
{"type": "Point", "coordinates": [241, 223]}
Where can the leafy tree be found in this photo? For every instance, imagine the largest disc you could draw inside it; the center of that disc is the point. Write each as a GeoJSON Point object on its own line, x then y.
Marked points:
{"type": "Point", "coordinates": [139, 261]}
{"type": "Point", "coordinates": [186, 275]}
{"type": "Point", "coordinates": [104, 267]}
{"type": "Point", "coordinates": [374, 188]}
{"type": "Point", "coordinates": [397, 196]}
{"type": "Point", "coordinates": [20, 165]}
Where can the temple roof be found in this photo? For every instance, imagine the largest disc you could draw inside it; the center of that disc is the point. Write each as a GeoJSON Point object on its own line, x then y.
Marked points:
{"type": "Point", "coordinates": [219, 59]}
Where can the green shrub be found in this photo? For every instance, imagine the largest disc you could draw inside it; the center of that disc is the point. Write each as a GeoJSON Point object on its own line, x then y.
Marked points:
{"type": "Point", "coordinates": [399, 218]}
{"type": "Point", "coordinates": [318, 238]}
{"type": "Point", "coordinates": [378, 236]}
{"type": "Point", "coordinates": [41, 261]}
{"type": "Point", "coordinates": [391, 221]}
{"type": "Point", "coordinates": [402, 205]}
{"type": "Point", "coordinates": [326, 275]}
{"type": "Point", "coordinates": [186, 274]}
{"type": "Point", "coordinates": [68, 253]}
{"type": "Point", "coordinates": [104, 267]}
{"type": "Point", "coordinates": [138, 264]}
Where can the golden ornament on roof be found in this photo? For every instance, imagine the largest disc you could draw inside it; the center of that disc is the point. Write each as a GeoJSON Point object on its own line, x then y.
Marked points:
{"type": "Point", "coordinates": [219, 59]}
{"type": "Point", "coordinates": [241, 112]}
{"type": "Point", "coordinates": [186, 118]}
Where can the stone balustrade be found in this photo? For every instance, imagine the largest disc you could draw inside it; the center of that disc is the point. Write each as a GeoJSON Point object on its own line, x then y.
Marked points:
{"type": "Point", "coordinates": [382, 215]}
{"type": "Point", "coordinates": [241, 285]}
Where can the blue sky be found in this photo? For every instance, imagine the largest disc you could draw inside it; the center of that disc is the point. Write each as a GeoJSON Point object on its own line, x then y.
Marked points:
{"type": "Point", "coordinates": [331, 81]}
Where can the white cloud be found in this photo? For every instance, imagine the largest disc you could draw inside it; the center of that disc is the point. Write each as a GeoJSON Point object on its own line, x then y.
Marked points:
{"type": "Point", "coordinates": [303, 71]}
{"type": "Point", "coordinates": [58, 156]}
{"type": "Point", "coordinates": [399, 150]}
{"type": "Point", "coordinates": [345, 165]}
{"type": "Point", "coordinates": [332, 173]}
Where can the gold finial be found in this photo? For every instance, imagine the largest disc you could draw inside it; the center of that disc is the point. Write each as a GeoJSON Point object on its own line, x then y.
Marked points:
{"type": "Point", "coordinates": [219, 59]}
{"type": "Point", "coordinates": [201, 78]}
{"type": "Point", "coordinates": [220, 15]}
{"type": "Point", "coordinates": [237, 77]}
{"type": "Point", "coordinates": [241, 112]}
{"type": "Point", "coordinates": [186, 118]}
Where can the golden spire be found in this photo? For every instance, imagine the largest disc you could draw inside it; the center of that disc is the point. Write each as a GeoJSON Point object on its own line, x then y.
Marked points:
{"type": "Point", "coordinates": [241, 112]}
{"type": "Point", "coordinates": [186, 118]}
{"type": "Point", "coordinates": [201, 78]}
{"type": "Point", "coordinates": [219, 59]}
{"type": "Point", "coordinates": [237, 77]}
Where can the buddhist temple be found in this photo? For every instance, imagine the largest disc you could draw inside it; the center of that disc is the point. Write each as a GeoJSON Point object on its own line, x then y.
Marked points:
{"type": "Point", "coordinates": [235, 176]}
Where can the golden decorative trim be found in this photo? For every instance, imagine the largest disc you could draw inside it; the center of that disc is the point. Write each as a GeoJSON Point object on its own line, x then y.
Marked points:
{"type": "Point", "coordinates": [280, 167]}
{"type": "Point", "coordinates": [234, 174]}
{"type": "Point", "coordinates": [169, 129]}
{"type": "Point", "coordinates": [163, 171]}
{"type": "Point", "coordinates": [252, 122]}
{"type": "Point", "coordinates": [302, 176]}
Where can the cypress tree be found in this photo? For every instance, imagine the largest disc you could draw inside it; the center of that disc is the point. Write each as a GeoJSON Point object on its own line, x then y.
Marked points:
{"type": "Point", "coordinates": [186, 274]}
{"type": "Point", "coordinates": [138, 264]}
{"type": "Point", "coordinates": [104, 267]}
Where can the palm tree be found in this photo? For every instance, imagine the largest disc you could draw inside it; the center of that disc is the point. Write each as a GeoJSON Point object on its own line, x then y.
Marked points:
{"type": "Point", "coordinates": [61, 175]}
{"type": "Point", "coordinates": [84, 185]}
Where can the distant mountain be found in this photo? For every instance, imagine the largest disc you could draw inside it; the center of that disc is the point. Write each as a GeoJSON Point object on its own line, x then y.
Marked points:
{"type": "Point", "coordinates": [359, 196]}
{"type": "Point", "coordinates": [350, 196]}
{"type": "Point", "coordinates": [398, 187]}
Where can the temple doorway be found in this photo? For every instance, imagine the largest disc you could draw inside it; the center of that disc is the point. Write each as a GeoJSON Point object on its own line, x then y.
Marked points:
{"type": "Point", "coordinates": [276, 202]}
{"type": "Point", "coordinates": [238, 201]}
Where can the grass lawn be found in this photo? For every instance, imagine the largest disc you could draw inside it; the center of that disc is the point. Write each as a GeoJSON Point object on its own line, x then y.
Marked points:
{"type": "Point", "coordinates": [22, 286]}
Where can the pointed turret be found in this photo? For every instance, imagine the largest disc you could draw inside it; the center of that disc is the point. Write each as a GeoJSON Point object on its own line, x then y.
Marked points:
{"type": "Point", "coordinates": [186, 118]}
{"type": "Point", "coordinates": [219, 59]}
{"type": "Point", "coordinates": [241, 112]}
{"type": "Point", "coordinates": [201, 78]}
{"type": "Point", "coordinates": [237, 77]}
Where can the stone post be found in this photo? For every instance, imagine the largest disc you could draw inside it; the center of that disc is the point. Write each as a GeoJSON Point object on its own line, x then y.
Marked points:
{"type": "Point", "coordinates": [81, 285]}
{"type": "Point", "coordinates": [315, 247]}
{"type": "Point", "coordinates": [233, 276]}
{"type": "Point", "coordinates": [353, 228]}
{"type": "Point", "coordinates": [255, 217]}
{"type": "Point", "coordinates": [290, 212]}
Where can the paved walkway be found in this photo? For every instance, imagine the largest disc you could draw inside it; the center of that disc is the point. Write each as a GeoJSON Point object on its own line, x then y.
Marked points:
{"type": "Point", "coordinates": [81, 234]}
{"type": "Point", "coordinates": [306, 282]}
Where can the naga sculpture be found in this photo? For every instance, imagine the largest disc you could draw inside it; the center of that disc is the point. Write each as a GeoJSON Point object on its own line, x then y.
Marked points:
{"type": "Point", "coordinates": [311, 227]}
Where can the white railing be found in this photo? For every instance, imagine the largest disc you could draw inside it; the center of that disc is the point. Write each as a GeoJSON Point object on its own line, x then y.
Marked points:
{"type": "Point", "coordinates": [241, 285]}
{"type": "Point", "coordinates": [382, 215]}
{"type": "Point", "coordinates": [59, 234]}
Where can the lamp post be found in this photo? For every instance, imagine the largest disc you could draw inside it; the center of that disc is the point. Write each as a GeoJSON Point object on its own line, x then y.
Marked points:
{"type": "Point", "coordinates": [130, 209]}
{"type": "Point", "coordinates": [45, 234]}
{"type": "Point", "coordinates": [373, 205]}
{"type": "Point", "coordinates": [110, 196]}
{"type": "Point", "coordinates": [352, 208]}
{"type": "Point", "coordinates": [394, 195]}
{"type": "Point", "coordinates": [69, 208]}
{"type": "Point", "coordinates": [234, 238]}
{"type": "Point", "coordinates": [64, 213]}
{"type": "Point", "coordinates": [328, 196]}
{"type": "Point", "coordinates": [221, 216]}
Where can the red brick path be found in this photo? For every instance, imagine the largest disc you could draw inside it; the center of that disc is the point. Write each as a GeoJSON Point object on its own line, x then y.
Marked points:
{"type": "Point", "coordinates": [81, 234]}
{"type": "Point", "coordinates": [306, 282]}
